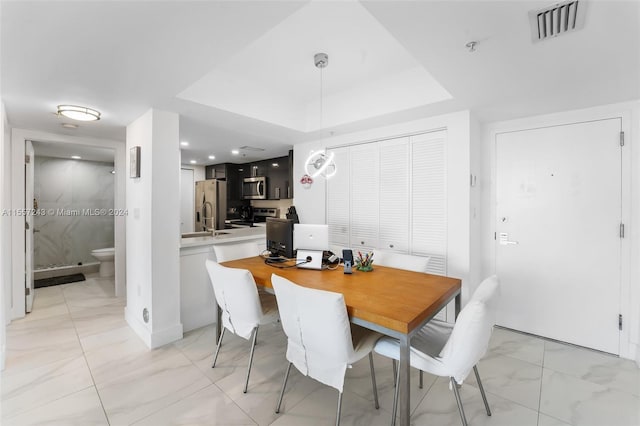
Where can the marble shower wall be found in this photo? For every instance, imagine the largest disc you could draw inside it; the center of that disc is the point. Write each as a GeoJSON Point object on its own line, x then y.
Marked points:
{"type": "Point", "coordinates": [68, 188]}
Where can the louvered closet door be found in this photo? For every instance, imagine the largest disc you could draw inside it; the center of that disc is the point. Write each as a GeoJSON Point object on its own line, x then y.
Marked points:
{"type": "Point", "coordinates": [429, 199]}
{"type": "Point", "coordinates": [365, 180]}
{"type": "Point", "coordinates": [394, 195]}
{"type": "Point", "coordinates": [338, 200]}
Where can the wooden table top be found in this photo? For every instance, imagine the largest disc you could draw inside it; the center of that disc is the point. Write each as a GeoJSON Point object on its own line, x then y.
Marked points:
{"type": "Point", "coordinates": [397, 299]}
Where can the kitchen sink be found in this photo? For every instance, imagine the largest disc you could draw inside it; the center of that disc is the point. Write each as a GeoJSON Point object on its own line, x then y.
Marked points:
{"type": "Point", "coordinates": [197, 234]}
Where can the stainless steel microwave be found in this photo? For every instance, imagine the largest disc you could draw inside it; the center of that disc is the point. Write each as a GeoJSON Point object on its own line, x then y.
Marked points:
{"type": "Point", "coordinates": [254, 188]}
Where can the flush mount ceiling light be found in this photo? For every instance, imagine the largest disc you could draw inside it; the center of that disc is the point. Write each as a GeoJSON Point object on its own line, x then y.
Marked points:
{"type": "Point", "coordinates": [79, 113]}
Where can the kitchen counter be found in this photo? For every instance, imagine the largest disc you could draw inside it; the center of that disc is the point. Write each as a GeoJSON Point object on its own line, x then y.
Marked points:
{"type": "Point", "coordinates": [197, 301]}
{"type": "Point", "coordinates": [226, 236]}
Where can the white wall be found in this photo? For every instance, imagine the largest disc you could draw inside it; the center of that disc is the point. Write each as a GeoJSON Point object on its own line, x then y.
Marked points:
{"type": "Point", "coordinates": [311, 203]}
{"type": "Point", "coordinates": [630, 113]}
{"type": "Point", "coordinates": [153, 230]}
{"type": "Point", "coordinates": [16, 179]}
{"type": "Point", "coordinates": [5, 232]}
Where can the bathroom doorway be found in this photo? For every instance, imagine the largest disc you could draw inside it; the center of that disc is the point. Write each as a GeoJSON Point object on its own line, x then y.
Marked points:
{"type": "Point", "coordinates": [73, 226]}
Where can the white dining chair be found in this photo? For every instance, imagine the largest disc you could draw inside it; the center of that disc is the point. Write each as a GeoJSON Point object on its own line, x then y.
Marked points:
{"type": "Point", "coordinates": [402, 261]}
{"type": "Point", "coordinates": [322, 343]}
{"type": "Point", "coordinates": [452, 351]}
{"type": "Point", "coordinates": [242, 313]}
{"type": "Point", "coordinates": [226, 252]}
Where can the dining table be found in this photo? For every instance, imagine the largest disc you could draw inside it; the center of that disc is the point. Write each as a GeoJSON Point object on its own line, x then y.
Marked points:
{"type": "Point", "coordinates": [393, 302]}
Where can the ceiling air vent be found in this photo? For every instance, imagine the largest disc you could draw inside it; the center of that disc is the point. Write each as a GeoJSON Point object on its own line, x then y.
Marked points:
{"type": "Point", "coordinates": [251, 148]}
{"type": "Point", "coordinates": [555, 20]}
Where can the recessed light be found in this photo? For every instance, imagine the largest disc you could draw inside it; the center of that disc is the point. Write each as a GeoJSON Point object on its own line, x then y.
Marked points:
{"type": "Point", "coordinates": [69, 125]}
{"type": "Point", "coordinates": [275, 164]}
{"type": "Point", "coordinates": [212, 157]}
{"type": "Point", "coordinates": [193, 161]}
{"type": "Point", "coordinates": [235, 152]}
{"type": "Point", "coordinates": [76, 157]}
{"type": "Point", "coordinates": [184, 143]}
{"type": "Point", "coordinates": [79, 113]}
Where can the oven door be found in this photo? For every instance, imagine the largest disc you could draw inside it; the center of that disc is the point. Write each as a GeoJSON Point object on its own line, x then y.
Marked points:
{"type": "Point", "coordinates": [254, 188]}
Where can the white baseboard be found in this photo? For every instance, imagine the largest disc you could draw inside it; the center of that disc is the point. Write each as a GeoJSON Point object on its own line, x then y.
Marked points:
{"type": "Point", "coordinates": [153, 339]}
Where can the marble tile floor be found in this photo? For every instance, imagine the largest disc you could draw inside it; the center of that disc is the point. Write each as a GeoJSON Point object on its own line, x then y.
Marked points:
{"type": "Point", "coordinates": [74, 361]}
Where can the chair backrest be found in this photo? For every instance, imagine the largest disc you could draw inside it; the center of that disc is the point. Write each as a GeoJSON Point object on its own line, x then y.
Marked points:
{"type": "Point", "coordinates": [318, 331]}
{"type": "Point", "coordinates": [401, 261]}
{"type": "Point", "coordinates": [469, 339]}
{"type": "Point", "coordinates": [237, 295]}
{"type": "Point", "coordinates": [487, 290]}
{"type": "Point", "coordinates": [226, 252]}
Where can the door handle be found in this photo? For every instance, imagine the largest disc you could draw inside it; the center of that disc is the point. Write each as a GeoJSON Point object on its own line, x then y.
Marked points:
{"type": "Point", "coordinates": [504, 240]}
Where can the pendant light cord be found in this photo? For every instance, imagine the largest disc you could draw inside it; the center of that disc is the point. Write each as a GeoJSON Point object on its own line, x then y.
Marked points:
{"type": "Point", "coordinates": [321, 99]}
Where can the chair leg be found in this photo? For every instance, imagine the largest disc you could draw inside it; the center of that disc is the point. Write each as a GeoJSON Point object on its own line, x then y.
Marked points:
{"type": "Point", "coordinates": [339, 408]}
{"type": "Point", "coordinates": [373, 381]}
{"type": "Point", "coordinates": [420, 385]}
{"type": "Point", "coordinates": [284, 385]}
{"type": "Point", "coordinates": [396, 383]}
{"type": "Point", "coordinates": [456, 392]}
{"type": "Point", "coordinates": [215, 357]}
{"type": "Point", "coordinates": [484, 397]}
{"type": "Point", "coordinates": [395, 371]}
{"type": "Point", "coordinates": [253, 348]}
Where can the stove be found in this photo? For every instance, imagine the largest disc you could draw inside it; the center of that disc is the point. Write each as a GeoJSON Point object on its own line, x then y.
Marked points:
{"type": "Point", "coordinates": [260, 214]}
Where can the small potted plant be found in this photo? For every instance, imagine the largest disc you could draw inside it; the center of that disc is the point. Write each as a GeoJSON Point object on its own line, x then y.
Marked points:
{"type": "Point", "coordinates": [364, 263]}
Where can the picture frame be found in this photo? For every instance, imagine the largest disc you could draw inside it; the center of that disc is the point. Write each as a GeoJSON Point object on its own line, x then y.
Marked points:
{"type": "Point", "coordinates": [134, 162]}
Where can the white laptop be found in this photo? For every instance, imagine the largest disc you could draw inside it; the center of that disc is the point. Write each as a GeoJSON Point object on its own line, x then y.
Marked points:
{"type": "Point", "coordinates": [310, 241]}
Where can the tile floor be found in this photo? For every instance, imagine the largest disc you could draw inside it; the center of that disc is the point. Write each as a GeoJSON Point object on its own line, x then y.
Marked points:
{"type": "Point", "coordinates": [74, 361]}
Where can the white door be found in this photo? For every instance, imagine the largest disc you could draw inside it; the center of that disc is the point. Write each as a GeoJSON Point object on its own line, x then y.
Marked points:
{"type": "Point", "coordinates": [187, 188]}
{"type": "Point", "coordinates": [29, 223]}
{"type": "Point", "coordinates": [365, 209]}
{"type": "Point", "coordinates": [394, 195]}
{"type": "Point", "coordinates": [339, 201]}
{"type": "Point", "coordinates": [558, 247]}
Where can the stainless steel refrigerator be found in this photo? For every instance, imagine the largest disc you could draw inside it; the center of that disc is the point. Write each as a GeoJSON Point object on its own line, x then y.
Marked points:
{"type": "Point", "coordinates": [211, 204]}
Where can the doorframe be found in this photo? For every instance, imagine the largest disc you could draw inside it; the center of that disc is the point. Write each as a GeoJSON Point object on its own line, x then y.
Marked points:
{"type": "Point", "coordinates": [18, 138]}
{"type": "Point", "coordinates": [629, 294]}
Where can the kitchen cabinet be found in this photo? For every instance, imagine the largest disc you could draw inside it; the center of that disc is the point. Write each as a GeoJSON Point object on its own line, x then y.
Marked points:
{"type": "Point", "coordinates": [279, 173]}
{"type": "Point", "coordinates": [278, 178]}
{"type": "Point", "coordinates": [233, 174]}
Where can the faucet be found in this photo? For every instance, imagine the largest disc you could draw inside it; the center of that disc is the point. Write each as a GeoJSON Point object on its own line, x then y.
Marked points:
{"type": "Point", "coordinates": [204, 215]}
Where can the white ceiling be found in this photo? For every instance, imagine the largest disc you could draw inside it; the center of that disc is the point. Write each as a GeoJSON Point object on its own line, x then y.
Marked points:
{"type": "Point", "coordinates": [274, 79]}
{"type": "Point", "coordinates": [132, 56]}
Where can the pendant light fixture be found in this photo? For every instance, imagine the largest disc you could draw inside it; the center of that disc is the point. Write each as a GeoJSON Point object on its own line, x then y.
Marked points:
{"type": "Point", "coordinates": [79, 113]}
{"type": "Point", "coordinates": [319, 163]}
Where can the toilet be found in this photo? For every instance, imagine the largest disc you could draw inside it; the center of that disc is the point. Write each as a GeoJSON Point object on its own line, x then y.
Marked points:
{"type": "Point", "coordinates": [106, 257]}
